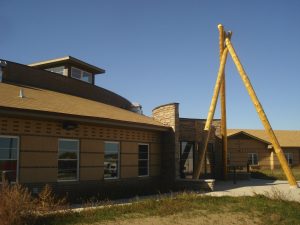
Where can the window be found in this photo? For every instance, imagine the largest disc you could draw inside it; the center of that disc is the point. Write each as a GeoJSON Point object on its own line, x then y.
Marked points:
{"type": "Point", "coordinates": [59, 70]}
{"type": "Point", "coordinates": [9, 150]}
{"type": "Point", "coordinates": [68, 166]}
{"type": "Point", "coordinates": [186, 159]}
{"type": "Point", "coordinates": [289, 158]}
{"type": "Point", "coordinates": [111, 160]}
{"type": "Point", "coordinates": [81, 75]}
{"type": "Point", "coordinates": [252, 159]}
{"type": "Point", "coordinates": [143, 160]}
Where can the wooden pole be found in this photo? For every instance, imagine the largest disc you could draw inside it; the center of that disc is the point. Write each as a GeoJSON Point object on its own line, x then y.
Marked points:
{"type": "Point", "coordinates": [263, 117]}
{"type": "Point", "coordinates": [211, 113]}
{"type": "Point", "coordinates": [223, 105]}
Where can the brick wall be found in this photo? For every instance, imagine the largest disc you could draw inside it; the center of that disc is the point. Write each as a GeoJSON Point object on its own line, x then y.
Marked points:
{"type": "Point", "coordinates": [169, 115]}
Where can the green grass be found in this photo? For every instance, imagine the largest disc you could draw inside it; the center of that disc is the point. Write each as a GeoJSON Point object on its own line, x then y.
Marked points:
{"type": "Point", "coordinates": [276, 174]}
{"type": "Point", "coordinates": [268, 210]}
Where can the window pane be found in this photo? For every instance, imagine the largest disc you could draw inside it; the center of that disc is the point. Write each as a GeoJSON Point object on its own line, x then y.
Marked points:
{"type": "Point", "coordinates": [111, 156]}
{"type": "Point", "coordinates": [255, 159]}
{"type": "Point", "coordinates": [87, 77]}
{"type": "Point", "coordinates": [68, 145]}
{"type": "Point", "coordinates": [67, 164]}
{"type": "Point", "coordinates": [76, 73]}
{"type": "Point", "coordinates": [252, 159]}
{"type": "Point", "coordinates": [143, 171]}
{"type": "Point", "coordinates": [8, 153]}
{"type": "Point", "coordinates": [143, 148]}
{"type": "Point", "coordinates": [67, 169]}
{"type": "Point", "coordinates": [111, 169]}
{"type": "Point", "coordinates": [143, 160]}
{"type": "Point", "coordinates": [143, 155]}
{"type": "Point", "coordinates": [8, 148]}
{"type": "Point", "coordinates": [8, 143]}
{"type": "Point", "coordinates": [10, 166]}
{"type": "Point", "coordinates": [143, 163]}
{"type": "Point", "coordinates": [111, 159]}
{"type": "Point", "coordinates": [67, 155]}
{"type": "Point", "coordinates": [289, 158]}
{"type": "Point", "coordinates": [59, 70]}
{"type": "Point", "coordinates": [111, 147]}
{"type": "Point", "coordinates": [186, 159]}
{"type": "Point", "coordinates": [68, 159]}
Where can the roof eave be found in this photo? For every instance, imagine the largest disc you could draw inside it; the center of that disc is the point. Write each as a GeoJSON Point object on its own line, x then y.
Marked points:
{"type": "Point", "coordinates": [95, 120]}
{"type": "Point", "coordinates": [249, 135]}
{"type": "Point", "coordinates": [69, 59]}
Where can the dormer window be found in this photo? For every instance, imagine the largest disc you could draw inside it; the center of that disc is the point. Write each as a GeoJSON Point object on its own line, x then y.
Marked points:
{"type": "Point", "coordinates": [81, 75]}
{"type": "Point", "coordinates": [59, 70]}
{"type": "Point", "coordinates": [70, 67]}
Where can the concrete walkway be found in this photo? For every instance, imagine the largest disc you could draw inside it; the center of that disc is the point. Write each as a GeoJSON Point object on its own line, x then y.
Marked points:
{"type": "Point", "coordinates": [275, 189]}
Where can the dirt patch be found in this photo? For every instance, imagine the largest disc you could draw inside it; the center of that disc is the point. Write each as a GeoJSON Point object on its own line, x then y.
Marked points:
{"type": "Point", "coordinates": [190, 219]}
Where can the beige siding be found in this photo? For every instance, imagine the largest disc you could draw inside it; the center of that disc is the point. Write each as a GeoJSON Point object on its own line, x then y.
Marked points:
{"type": "Point", "coordinates": [239, 148]}
{"type": "Point", "coordinates": [91, 145]}
{"type": "Point", "coordinates": [155, 148]}
{"type": "Point", "coordinates": [36, 175]}
{"type": "Point", "coordinates": [129, 171]}
{"type": "Point", "coordinates": [91, 159]}
{"type": "Point", "coordinates": [91, 173]}
{"type": "Point", "coordinates": [38, 143]}
{"type": "Point", "coordinates": [155, 160]}
{"type": "Point", "coordinates": [295, 153]}
{"type": "Point", "coordinates": [154, 171]}
{"type": "Point", "coordinates": [129, 147]}
{"type": "Point", "coordinates": [129, 159]}
{"type": "Point", "coordinates": [38, 157]}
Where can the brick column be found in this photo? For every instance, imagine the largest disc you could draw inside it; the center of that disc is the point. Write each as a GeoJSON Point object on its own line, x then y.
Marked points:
{"type": "Point", "coordinates": [169, 115]}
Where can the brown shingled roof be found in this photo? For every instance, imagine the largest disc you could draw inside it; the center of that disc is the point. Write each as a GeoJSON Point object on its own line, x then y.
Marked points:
{"type": "Point", "coordinates": [286, 138]}
{"type": "Point", "coordinates": [42, 100]}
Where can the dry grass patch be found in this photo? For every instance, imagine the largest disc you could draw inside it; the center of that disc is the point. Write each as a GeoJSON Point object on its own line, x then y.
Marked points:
{"type": "Point", "coordinates": [189, 209]}
{"type": "Point", "coordinates": [19, 207]}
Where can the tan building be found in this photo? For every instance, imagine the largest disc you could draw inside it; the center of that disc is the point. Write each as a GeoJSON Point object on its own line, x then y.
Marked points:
{"type": "Point", "coordinates": [57, 127]}
{"type": "Point", "coordinates": [253, 147]}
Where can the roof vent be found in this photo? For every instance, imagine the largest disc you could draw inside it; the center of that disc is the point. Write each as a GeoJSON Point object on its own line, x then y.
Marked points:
{"type": "Point", "coordinates": [21, 93]}
{"type": "Point", "coordinates": [137, 108]}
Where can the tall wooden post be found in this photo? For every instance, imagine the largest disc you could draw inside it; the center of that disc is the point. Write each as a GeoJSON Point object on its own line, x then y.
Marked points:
{"type": "Point", "coordinates": [211, 113]}
{"type": "Point", "coordinates": [263, 117]}
{"type": "Point", "coordinates": [223, 105]}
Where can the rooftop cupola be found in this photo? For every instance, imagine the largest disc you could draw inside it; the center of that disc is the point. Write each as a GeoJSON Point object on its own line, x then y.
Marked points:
{"type": "Point", "coordinates": [70, 67]}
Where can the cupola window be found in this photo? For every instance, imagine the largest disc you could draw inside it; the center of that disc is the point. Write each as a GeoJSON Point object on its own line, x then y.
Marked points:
{"type": "Point", "coordinates": [81, 75]}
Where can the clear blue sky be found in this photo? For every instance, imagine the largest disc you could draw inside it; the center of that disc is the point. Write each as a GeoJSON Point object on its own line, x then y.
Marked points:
{"type": "Point", "coordinates": [156, 52]}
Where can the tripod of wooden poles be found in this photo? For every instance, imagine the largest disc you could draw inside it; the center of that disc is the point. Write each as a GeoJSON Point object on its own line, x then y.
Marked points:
{"type": "Point", "coordinates": [225, 46]}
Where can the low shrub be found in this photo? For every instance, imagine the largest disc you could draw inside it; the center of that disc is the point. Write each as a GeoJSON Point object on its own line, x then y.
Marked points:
{"type": "Point", "coordinates": [19, 207]}
{"type": "Point", "coordinates": [16, 205]}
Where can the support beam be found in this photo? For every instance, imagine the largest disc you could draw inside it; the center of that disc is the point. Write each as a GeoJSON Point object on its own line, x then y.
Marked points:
{"type": "Point", "coordinates": [223, 105]}
{"type": "Point", "coordinates": [211, 113]}
{"type": "Point", "coordinates": [263, 117]}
